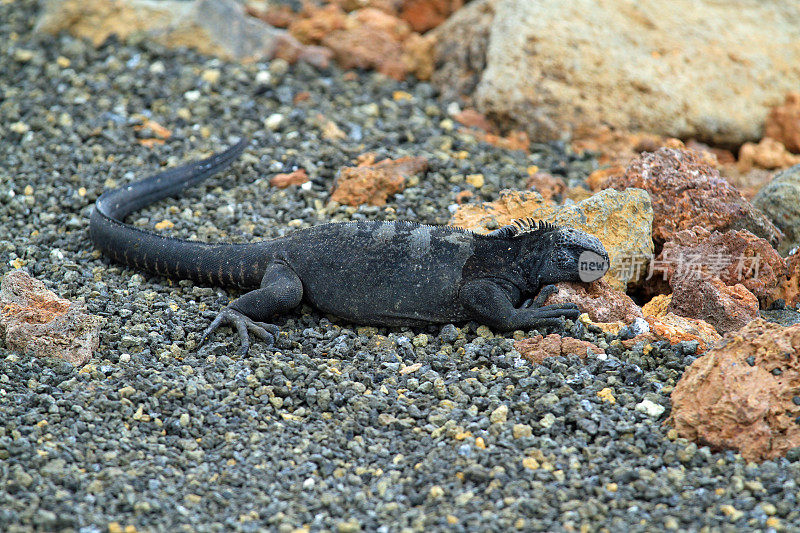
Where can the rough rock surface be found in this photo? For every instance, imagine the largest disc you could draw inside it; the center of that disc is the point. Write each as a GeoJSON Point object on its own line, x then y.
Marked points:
{"type": "Point", "coordinates": [554, 66]}
{"type": "Point", "coordinates": [725, 307]}
{"type": "Point", "coordinates": [215, 27]}
{"type": "Point", "coordinates": [789, 288]}
{"type": "Point", "coordinates": [621, 220]}
{"type": "Point", "coordinates": [783, 122]}
{"type": "Point", "coordinates": [298, 177]}
{"type": "Point", "coordinates": [686, 191]}
{"type": "Point", "coordinates": [657, 306]}
{"type": "Point", "coordinates": [367, 38]}
{"type": "Point", "coordinates": [538, 348]}
{"type": "Point", "coordinates": [779, 201]}
{"type": "Point", "coordinates": [674, 329]}
{"type": "Point", "coordinates": [743, 395]}
{"type": "Point", "coordinates": [372, 184]}
{"type": "Point", "coordinates": [36, 321]}
{"type": "Point", "coordinates": [599, 300]}
{"type": "Point", "coordinates": [733, 256]}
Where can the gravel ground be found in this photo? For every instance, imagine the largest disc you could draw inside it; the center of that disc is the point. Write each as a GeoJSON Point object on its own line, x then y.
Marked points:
{"type": "Point", "coordinates": [339, 427]}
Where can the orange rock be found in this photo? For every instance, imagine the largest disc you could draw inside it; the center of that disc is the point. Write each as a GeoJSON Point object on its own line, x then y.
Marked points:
{"type": "Point", "coordinates": [674, 329]}
{"type": "Point", "coordinates": [372, 38]}
{"type": "Point", "coordinates": [34, 320]}
{"type": "Point", "coordinates": [599, 300]}
{"type": "Point", "coordinates": [538, 348]}
{"type": "Point", "coordinates": [783, 123]}
{"type": "Point", "coordinates": [618, 147]}
{"type": "Point", "coordinates": [472, 119]}
{"type": "Point", "coordinates": [741, 395]}
{"type": "Point", "coordinates": [424, 15]}
{"type": "Point", "coordinates": [374, 183]}
{"type": "Point", "coordinates": [789, 288]}
{"type": "Point", "coordinates": [547, 185]}
{"type": "Point", "coordinates": [317, 23]}
{"type": "Point", "coordinates": [768, 153]}
{"type": "Point", "coordinates": [277, 16]}
{"type": "Point", "coordinates": [597, 179]}
{"type": "Point", "coordinates": [657, 307]}
{"type": "Point", "coordinates": [281, 181]}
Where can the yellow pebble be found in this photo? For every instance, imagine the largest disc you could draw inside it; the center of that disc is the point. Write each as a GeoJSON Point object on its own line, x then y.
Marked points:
{"type": "Point", "coordinates": [28, 190]}
{"type": "Point", "coordinates": [164, 224]}
{"type": "Point", "coordinates": [114, 527]}
{"type": "Point", "coordinates": [607, 395]}
{"type": "Point", "coordinates": [533, 169]}
{"type": "Point", "coordinates": [63, 62]}
{"type": "Point", "coordinates": [773, 522]}
{"type": "Point", "coordinates": [452, 520]}
{"type": "Point", "coordinates": [531, 463]}
{"type": "Point", "coordinates": [479, 443]}
{"type": "Point", "coordinates": [402, 95]}
{"type": "Point", "coordinates": [476, 180]}
{"type": "Point", "coordinates": [612, 487]}
{"type": "Point", "coordinates": [82, 192]}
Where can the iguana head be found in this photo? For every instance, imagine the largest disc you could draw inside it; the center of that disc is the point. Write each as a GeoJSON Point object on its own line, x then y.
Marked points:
{"type": "Point", "coordinates": [550, 254]}
{"type": "Point", "coordinates": [572, 255]}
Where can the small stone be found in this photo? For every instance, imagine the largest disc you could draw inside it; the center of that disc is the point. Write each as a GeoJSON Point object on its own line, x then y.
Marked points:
{"type": "Point", "coordinates": [125, 358]}
{"type": "Point", "coordinates": [499, 415]}
{"type": "Point", "coordinates": [530, 463]}
{"type": "Point", "coordinates": [23, 56]}
{"type": "Point", "coordinates": [192, 96]}
{"type": "Point", "coordinates": [211, 75]}
{"type": "Point", "coordinates": [263, 77]}
{"type": "Point", "coordinates": [19, 127]}
{"type": "Point", "coordinates": [731, 512]}
{"type": "Point", "coordinates": [436, 492]}
{"type": "Point", "coordinates": [522, 430]}
{"type": "Point", "coordinates": [476, 180]}
{"type": "Point", "coordinates": [547, 420]}
{"type": "Point", "coordinates": [768, 508]}
{"type": "Point", "coordinates": [607, 395]}
{"type": "Point", "coordinates": [184, 419]}
{"type": "Point", "coordinates": [650, 408]}
{"type": "Point", "coordinates": [273, 121]}
{"type": "Point", "coordinates": [751, 360]}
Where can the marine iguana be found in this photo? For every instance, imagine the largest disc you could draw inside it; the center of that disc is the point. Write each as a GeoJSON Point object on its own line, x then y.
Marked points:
{"type": "Point", "coordinates": [380, 273]}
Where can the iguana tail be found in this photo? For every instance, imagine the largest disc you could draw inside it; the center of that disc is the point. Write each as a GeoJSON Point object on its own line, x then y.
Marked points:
{"type": "Point", "coordinates": [223, 264]}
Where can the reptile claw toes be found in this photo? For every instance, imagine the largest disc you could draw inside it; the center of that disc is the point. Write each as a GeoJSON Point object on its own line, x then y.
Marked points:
{"type": "Point", "coordinates": [242, 324]}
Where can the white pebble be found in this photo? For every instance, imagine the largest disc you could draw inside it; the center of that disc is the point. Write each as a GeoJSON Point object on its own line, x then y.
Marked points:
{"type": "Point", "coordinates": [650, 408]}
{"type": "Point", "coordinates": [273, 121]}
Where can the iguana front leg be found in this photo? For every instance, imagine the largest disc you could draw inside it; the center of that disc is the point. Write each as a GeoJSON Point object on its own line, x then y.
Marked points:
{"type": "Point", "coordinates": [491, 303]}
{"type": "Point", "coordinates": [281, 291]}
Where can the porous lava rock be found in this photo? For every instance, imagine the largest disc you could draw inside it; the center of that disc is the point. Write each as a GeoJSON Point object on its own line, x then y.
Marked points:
{"type": "Point", "coordinates": [34, 320]}
{"type": "Point", "coordinates": [686, 191]}
{"type": "Point", "coordinates": [538, 348]}
{"type": "Point", "coordinates": [372, 183]}
{"type": "Point", "coordinates": [743, 395]}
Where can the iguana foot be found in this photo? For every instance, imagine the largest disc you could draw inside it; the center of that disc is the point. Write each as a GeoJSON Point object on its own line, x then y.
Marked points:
{"type": "Point", "coordinates": [541, 298]}
{"type": "Point", "coordinates": [242, 323]}
{"type": "Point", "coordinates": [552, 315]}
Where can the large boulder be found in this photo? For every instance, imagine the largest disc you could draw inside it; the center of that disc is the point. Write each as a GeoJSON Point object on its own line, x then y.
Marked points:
{"type": "Point", "coordinates": [687, 68]}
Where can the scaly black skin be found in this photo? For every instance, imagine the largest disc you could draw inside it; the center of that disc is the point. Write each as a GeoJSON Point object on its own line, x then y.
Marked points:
{"type": "Point", "coordinates": [381, 273]}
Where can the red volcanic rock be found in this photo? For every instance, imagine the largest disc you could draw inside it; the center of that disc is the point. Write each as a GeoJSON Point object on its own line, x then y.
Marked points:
{"type": "Point", "coordinates": [281, 181]}
{"type": "Point", "coordinates": [373, 183]}
{"type": "Point", "coordinates": [687, 191]}
{"type": "Point", "coordinates": [424, 15]}
{"type": "Point", "coordinates": [725, 307]}
{"type": "Point", "coordinates": [783, 123]}
{"type": "Point", "coordinates": [538, 348]}
{"type": "Point", "coordinates": [734, 257]}
{"type": "Point", "coordinates": [34, 320]}
{"type": "Point", "coordinates": [599, 300]}
{"type": "Point", "coordinates": [743, 395]}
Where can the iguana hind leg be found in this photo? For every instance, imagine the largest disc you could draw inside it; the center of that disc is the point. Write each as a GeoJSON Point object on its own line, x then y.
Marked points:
{"type": "Point", "coordinates": [281, 291]}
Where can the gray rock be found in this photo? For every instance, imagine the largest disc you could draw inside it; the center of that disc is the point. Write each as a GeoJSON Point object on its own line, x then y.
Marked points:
{"type": "Point", "coordinates": [778, 199]}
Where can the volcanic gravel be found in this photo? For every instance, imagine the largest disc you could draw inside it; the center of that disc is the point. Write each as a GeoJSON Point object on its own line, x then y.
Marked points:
{"type": "Point", "coordinates": [338, 427]}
